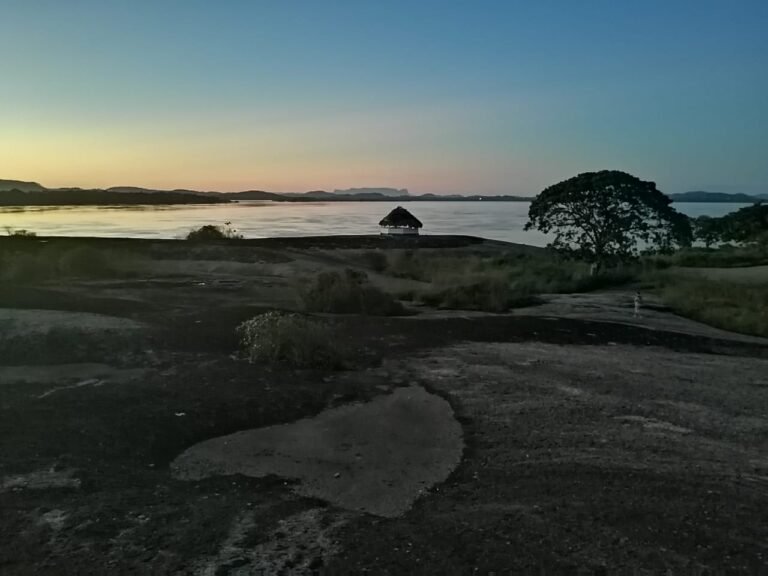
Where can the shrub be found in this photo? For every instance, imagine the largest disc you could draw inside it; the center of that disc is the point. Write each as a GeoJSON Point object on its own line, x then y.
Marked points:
{"type": "Point", "coordinates": [348, 293]}
{"type": "Point", "coordinates": [289, 339]}
{"type": "Point", "coordinates": [212, 233]}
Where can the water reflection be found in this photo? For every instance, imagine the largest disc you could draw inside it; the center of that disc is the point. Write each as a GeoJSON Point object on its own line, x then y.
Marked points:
{"type": "Point", "coordinates": [258, 219]}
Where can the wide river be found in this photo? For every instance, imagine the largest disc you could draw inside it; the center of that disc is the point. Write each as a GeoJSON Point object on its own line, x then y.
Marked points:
{"type": "Point", "coordinates": [495, 220]}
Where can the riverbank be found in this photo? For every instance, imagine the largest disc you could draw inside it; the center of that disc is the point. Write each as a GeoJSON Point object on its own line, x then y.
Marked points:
{"type": "Point", "coordinates": [590, 438]}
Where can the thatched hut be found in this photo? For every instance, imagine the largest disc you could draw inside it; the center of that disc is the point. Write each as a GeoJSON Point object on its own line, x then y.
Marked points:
{"type": "Point", "coordinates": [399, 222]}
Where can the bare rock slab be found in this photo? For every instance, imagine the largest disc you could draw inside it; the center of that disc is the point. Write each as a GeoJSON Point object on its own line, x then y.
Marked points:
{"type": "Point", "coordinates": [376, 457]}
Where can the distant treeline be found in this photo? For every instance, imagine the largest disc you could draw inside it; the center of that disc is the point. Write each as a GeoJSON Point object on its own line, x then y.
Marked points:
{"type": "Point", "coordinates": [322, 196]}
{"type": "Point", "coordinates": [717, 197]}
{"type": "Point", "coordinates": [744, 226]}
{"type": "Point", "coordinates": [101, 198]}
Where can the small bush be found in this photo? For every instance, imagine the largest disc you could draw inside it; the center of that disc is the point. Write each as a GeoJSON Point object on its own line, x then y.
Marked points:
{"type": "Point", "coordinates": [348, 293]}
{"type": "Point", "coordinates": [290, 340]}
{"type": "Point", "coordinates": [211, 233]}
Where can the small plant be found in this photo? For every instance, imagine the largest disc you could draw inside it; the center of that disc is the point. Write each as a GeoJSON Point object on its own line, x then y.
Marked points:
{"type": "Point", "coordinates": [348, 293]}
{"type": "Point", "coordinates": [19, 232]}
{"type": "Point", "coordinates": [212, 233]}
{"type": "Point", "coordinates": [289, 339]}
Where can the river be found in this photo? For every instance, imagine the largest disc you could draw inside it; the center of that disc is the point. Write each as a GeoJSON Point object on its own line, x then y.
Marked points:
{"type": "Point", "coordinates": [495, 220]}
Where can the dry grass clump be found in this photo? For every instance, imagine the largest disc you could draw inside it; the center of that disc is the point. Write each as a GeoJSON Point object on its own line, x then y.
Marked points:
{"type": "Point", "coordinates": [289, 339]}
{"type": "Point", "coordinates": [492, 283]}
{"type": "Point", "coordinates": [726, 256]}
{"type": "Point", "coordinates": [734, 306]}
{"type": "Point", "coordinates": [348, 292]}
{"type": "Point", "coordinates": [213, 233]}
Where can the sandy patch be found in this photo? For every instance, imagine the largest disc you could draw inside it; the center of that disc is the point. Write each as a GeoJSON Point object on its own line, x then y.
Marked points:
{"type": "Point", "coordinates": [375, 457]}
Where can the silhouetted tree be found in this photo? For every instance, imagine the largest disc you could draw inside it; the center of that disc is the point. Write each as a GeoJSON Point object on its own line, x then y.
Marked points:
{"type": "Point", "coordinates": [608, 216]}
{"type": "Point", "coordinates": [708, 230]}
{"type": "Point", "coordinates": [745, 225]}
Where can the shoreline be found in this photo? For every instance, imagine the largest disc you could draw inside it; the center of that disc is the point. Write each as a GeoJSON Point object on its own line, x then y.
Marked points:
{"type": "Point", "coordinates": [328, 241]}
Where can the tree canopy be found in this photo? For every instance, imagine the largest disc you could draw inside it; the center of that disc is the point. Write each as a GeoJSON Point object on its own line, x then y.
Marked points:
{"type": "Point", "coordinates": [607, 216]}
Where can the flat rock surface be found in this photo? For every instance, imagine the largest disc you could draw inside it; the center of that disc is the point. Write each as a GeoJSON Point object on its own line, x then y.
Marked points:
{"type": "Point", "coordinates": [617, 306]}
{"type": "Point", "coordinates": [16, 322]}
{"type": "Point", "coordinates": [375, 457]}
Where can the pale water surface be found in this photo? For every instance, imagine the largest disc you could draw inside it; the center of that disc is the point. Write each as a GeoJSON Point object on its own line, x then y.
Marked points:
{"type": "Point", "coordinates": [495, 220]}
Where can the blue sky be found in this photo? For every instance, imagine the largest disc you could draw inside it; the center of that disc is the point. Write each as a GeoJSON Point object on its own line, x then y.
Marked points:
{"type": "Point", "coordinates": [436, 96]}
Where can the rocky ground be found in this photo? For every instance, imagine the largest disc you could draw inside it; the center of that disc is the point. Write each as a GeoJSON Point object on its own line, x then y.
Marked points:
{"type": "Point", "coordinates": [568, 435]}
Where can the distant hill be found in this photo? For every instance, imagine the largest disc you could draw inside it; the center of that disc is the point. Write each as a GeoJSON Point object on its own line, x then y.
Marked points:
{"type": "Point", "coordinates": [21, 185]}
{"type": "Point", "coordinates": [17, 192]}
{"type": "Point", "coordinates": [699, 196]}
{"type": "Point", "coordinates": [391, 192]}
{"type": "Point", "coordinates": [137, 190]}
{"type": "Point", "coordinates": [138, 195]}
{"type": "Point", "coordinates": [80, 197]}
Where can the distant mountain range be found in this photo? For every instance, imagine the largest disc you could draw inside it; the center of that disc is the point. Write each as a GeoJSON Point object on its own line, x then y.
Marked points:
{"type": "Point", "coordinates": [699, 196]}
{"type": "Point", "coordinates": [391, 192]}
{"type": "Point", "coordinates": [20, 193]}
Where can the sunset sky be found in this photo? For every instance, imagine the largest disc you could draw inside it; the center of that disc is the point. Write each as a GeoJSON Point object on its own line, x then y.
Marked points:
{"type": "Point", "coordinates": [435, 96]}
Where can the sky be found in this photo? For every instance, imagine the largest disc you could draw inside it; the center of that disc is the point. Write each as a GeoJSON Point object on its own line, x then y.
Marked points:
{"type": "Point", "coordinates": [441, 96]}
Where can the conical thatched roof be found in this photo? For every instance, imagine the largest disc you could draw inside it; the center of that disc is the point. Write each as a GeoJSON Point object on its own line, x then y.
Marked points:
{"type": "Point", "coordinates": [401, 218]}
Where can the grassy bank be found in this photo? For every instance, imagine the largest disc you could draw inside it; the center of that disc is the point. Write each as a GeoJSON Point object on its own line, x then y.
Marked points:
{"type": "Point", "coordinates": [727, 256]}
{"type": "Point", "coordinates": [32, 261]}
{"type": "Point", "coordinates": [739, 307]}
{"type": "Point", "coordinates": [489, 282]}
